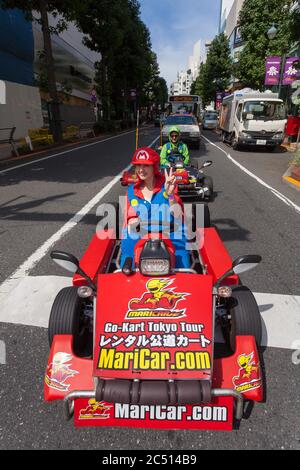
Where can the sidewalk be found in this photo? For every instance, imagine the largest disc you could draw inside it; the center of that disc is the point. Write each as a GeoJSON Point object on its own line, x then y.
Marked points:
{"type": "Point", "coordinates": [5, 151]}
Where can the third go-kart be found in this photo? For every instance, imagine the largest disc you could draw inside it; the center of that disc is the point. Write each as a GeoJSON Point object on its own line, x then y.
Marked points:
{"type": "Point", "coordinates": [191, 180]}
{"type": "Point", "coordinates": [135, 347]}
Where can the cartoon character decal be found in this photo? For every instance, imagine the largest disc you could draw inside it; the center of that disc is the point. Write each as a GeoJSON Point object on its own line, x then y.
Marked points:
{"type": "Point", "coordinates": [95, 410]}
{"type": "Point", "coordinates": [249, 376]}
{"type": "Point", "coordinates": [59, 371]}
{"type": "Point", "coordinates": [158, 301]}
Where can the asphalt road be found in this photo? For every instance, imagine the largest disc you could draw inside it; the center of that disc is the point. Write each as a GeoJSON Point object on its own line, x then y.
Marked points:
{"type": "Point", "coordinates": [40, 198]}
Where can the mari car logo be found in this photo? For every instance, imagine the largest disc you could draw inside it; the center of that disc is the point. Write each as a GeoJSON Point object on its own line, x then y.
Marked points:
{"type": "Point", "coordinates": [59, 371]}
{"type": "Point", "coordinates": [143, 155]}
{"type": "Point", "coordinates": [249, 376]}
{"type": "Point", "coordinates": [159, 301]}
{"type": "Point", "coordinates": [95, 410]}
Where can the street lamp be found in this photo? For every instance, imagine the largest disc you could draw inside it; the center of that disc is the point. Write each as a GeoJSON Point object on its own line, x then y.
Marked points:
{"type": "Point", "coordinates": [272, 32]}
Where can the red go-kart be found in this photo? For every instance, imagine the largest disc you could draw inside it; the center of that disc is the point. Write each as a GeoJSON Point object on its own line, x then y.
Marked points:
{"type": "Point", "coordinates": [135, 347]}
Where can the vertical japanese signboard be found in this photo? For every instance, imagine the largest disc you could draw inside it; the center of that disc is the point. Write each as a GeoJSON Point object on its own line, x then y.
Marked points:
{"type": "Point", "coordinates": [273, 64]}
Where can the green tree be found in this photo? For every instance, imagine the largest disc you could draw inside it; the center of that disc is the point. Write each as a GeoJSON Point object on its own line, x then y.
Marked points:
{"type": "Point", "coordinates": [44, 7]}
{"type": "Point", "coordinates": [294, 24]}
{"type": "Point", "coordinates": [199, 85]}
{"type": "Point", "coordinates": [256, 18]}
{"type": "Point", "coordinates": [116, 30]}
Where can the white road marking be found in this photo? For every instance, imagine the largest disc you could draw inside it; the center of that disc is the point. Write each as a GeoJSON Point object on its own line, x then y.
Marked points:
{"type": "Point", "coordinates": [62, 153]}
{"type": "Point", "coordinates": [31, 298]}
{"type": "Point", "coordinates": [276, 193]}
{"type": "Point", "coordinates": [30, 262]}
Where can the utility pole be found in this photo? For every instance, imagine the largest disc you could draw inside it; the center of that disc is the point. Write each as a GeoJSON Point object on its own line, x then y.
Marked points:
{"type": "Point", "coordinates": [55, 111]}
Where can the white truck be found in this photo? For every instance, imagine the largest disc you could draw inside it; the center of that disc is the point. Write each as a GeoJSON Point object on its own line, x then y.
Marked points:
{"type": "Point", "coordinates": [250, 117]}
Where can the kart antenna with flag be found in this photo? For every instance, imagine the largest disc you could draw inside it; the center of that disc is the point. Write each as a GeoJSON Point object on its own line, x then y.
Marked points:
{"type": "Point", "coordinates": [137, 129]}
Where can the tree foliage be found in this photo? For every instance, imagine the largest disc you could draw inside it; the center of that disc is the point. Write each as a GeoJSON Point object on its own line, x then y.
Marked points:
{"type": "Point", "coordinates": [116, 30]}
{"type": "Point", "coordinates": [256, 18]}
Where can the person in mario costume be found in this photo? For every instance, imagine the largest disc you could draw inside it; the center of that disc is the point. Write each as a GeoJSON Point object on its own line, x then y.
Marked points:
{"type": "Point", "coordinates": [150, 199]}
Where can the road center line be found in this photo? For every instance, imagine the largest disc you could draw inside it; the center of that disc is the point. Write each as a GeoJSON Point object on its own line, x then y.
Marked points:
{"type": "Point", "coordinates": [33, 259]}
{"type": "Point", "coordinates": [274, 191]}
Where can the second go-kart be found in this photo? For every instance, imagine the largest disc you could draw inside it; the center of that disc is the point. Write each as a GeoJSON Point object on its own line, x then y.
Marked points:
{"type": "Point", "coordinates": [191, 180]}
{"type": "Point", "coordinates": [135, 347]}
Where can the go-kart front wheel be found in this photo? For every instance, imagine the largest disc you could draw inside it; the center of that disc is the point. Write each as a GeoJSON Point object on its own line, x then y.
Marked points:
{"type": "Point", "coordinates": [245, 316]}
{"type": "Point", "coordinates": [208, 183]}
{"type": "Point", "coordinates": [66, 318]}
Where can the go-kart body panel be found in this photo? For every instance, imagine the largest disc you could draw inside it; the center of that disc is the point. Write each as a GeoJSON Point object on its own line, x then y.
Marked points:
{"type": "Point", "coordinates": [166, 335]}
{"type": "Point", "coordinates": [77, 374]}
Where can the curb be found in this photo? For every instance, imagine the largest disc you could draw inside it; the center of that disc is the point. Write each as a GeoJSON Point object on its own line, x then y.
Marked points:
{"type": "Point", "coordinates": [286, 178]}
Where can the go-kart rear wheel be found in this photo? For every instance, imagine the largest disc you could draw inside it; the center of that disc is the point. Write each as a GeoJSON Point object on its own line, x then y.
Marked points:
{"type": "Point", "coordinates": [195, 163]}
{"type": "Point", "coordinates": [245, 316]}
{"type": "Point", "coordinates": [66, 318]}
{"type": "Point", "coordinates": [208, 182]}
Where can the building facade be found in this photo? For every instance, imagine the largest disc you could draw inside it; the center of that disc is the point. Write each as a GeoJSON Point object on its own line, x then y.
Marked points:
{"type": "Point", "coordinates": [232, 31]}
{"type": "Point", "coordinates": [22, 108]}
{"type": "Point", "coordinates": [22, 66]}
{"type": "Point", "coordinates": [182, 86]}
{"type": "Point", "coordinates": [225, 7]}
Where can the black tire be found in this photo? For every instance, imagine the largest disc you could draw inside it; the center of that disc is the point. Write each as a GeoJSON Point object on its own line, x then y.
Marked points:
{"type": "Point", "coordinates": [195, 163]}
{"type": "Point", "coordinates": [208, 182]}
{"type": "Point", "coordinates": [206, 222]}
{"type": "Point", "coordinates": [234, 143]}
{"type": "Point", "coordinates": [245, 316]}
{"type": "Point", "coordinates": [65, 319]}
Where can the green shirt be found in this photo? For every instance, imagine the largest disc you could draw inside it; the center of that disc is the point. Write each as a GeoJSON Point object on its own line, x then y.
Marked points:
{"type": "Point", "coordinates": [169, 147]}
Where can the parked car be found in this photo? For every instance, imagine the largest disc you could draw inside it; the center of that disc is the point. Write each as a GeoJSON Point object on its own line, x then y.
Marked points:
{"type": "Point", "coordinates": [210, 120]}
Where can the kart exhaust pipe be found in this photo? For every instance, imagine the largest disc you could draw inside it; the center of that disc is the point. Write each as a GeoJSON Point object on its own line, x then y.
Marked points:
{"type": "Point", "coordinates": [69, 400]}
{"type": "Point", "coordinates": [228, 392]}
{"type": "Point", "coordinates": [154, 392]}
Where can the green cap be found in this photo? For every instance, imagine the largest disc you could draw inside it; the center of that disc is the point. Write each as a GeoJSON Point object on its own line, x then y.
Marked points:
{"type": "Point", "coordinates": [174, 129]}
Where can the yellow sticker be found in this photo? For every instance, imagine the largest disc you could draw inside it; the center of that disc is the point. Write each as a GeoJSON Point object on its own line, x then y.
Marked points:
{"type": "Point", "coordinates": [134, 202]}
{"type": "Point", "coordinates": [165, 195]}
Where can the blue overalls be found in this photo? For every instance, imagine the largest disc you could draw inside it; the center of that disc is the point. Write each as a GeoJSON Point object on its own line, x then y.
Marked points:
{"type": "Point", "coordinates": [158, 210]}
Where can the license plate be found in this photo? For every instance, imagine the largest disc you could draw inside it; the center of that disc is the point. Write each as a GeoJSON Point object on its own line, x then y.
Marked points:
{"type": "Point", "coordinates": [261, 142]}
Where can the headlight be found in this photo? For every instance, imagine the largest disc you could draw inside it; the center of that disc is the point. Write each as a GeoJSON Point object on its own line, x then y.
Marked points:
{"type": "Point", "coordinates": [278, 136]}
{"type": "Point", "coordinates": [84, 292]}
{"type": "Point", "coordinates": [245, 135]}
{"type": "Point", "coordinates": [155, 267]}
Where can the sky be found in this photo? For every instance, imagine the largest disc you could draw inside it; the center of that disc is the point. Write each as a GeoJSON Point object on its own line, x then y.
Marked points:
{"type": "Point", "coordinates": [175, 26]}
